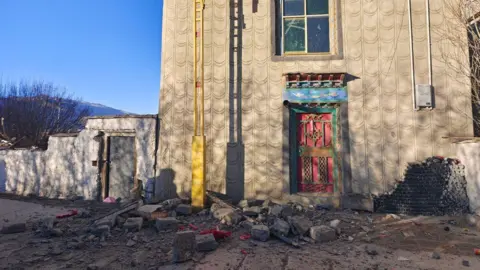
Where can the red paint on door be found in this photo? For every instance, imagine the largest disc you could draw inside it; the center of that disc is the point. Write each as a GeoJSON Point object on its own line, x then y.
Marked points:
{"type": "Point", "coordinates": [314, 138]}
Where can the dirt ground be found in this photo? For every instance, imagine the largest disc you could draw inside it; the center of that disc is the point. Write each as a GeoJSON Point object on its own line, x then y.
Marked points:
{"type": "Point", "coordinates": [374, 243]}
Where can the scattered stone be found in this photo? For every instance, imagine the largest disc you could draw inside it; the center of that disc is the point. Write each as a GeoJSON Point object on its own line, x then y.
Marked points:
{"type": "Point", "coordinates": [46, 225]}
{"type": "Point", "coordinates": [56, 232]}
{"type": "Point", "coordinates": [204, 212]}
{"type": "Point", "coordinates": [183, 209]}
{"type": "Point", "coordinates": [14, 228]}
{"type": "Point", "coordinates": [370, 250]}
{"type": "Point", "coordinates": [183, 246]}
{"type": "Point", "coordinates": [214, 207]}
{"type": "Point", "coordinates": [366, 229]}
{"type": "Point", "coordinates": [133, 224]}
{"type": "Point", "coordinates": [206, 242]}
{"type": "Point", "coordinates": [260, 233]}
{"type": "Point", "coordinates": [350, 239]}
{"type": "Point", "coordinates": [101, 230]}
{"type": "Point", "coordinates": [131, 243]}
{"type": "Point", "coordinates": [300, 225]}
{"type": "Point", "coordinates": [391, 217]}
{"type": "Point", "coordinates": [247, 225]}
{"type": "Point", "coordinates": [275, 210]}
{"type": "Point", "coordinates": [261, 218]}
{"type": "Point", "coordinates": [243, 204]}
{"type": "Point", "coordinates": [334, 223]}
{"type": "Point", "coordinates": [408, 234]}
{"type": "Point", "coordinates": [436, 255]}
{"type": "Point", "coordinates": [147, 210]}
{"type": "Point", "coordinates": [119, 221]}
{"type": "Point", "coordinates": [165, 224]}
{"type": "Point", "coordinates": [171, 203]}
{"type": "Point", "coordinates": [281, 226]}
{"type": "Point", "coordinates": [227, 216]}
{"type": "Point", "coordinates": [287, 212]}
{"type": "Point", "coordinates": [266, 204]}
{"type": "Point", "coordinates": [253, 211]}
{"type": "Point", "coordinates": [466, 263]}
{"type": "Point", "coordinates": [106, 221]}
{"type": "Point", "coordinates": [403, 259]}
{"type": "Point", "coordinates": [84, 214]}
{"type": "Point", "coordinates": [323, 233]}
{"type": "Point", "coordinates": [307, 239]}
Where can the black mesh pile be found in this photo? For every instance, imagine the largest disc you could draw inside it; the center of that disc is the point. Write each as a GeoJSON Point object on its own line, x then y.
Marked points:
{"type": "Point", "coordinates": [436, 186]}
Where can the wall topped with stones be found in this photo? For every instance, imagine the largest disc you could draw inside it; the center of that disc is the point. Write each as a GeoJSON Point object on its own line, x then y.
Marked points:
{"type": "Point", "coordinates": [65, 168]}
{"type": "Point", "coordinates": [384, 131]}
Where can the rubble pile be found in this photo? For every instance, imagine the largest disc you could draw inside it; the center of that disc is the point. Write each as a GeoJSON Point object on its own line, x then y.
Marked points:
{"type": "Point", "coordinates": [436, 186]}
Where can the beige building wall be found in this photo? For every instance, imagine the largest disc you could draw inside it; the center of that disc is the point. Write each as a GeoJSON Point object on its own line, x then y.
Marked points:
{"type": "Point", "coordinates": [384, 132]}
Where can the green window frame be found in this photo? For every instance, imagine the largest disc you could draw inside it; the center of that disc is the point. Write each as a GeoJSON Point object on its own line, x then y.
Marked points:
{"type": "Point", "coordinates": [305, 26]}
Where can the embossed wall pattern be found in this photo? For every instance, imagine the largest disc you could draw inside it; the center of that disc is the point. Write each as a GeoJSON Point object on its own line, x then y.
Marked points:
{"type": "Point", "coordinates": [384, 131]}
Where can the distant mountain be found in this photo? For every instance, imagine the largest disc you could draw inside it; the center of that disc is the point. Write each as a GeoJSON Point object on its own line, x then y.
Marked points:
{"type": "Point", "coordinates": [101, 110]}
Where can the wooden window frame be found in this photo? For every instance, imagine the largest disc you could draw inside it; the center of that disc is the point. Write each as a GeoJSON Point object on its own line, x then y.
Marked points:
{"type": "Point", "coordinates": [335, 33]}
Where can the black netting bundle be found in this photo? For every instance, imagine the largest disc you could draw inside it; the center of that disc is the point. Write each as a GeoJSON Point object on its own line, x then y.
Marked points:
{"type": "Point", "coordinates": [436, 186]}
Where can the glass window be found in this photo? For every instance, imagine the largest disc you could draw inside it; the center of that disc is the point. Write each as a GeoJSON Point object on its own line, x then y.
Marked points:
{"type": "Point", "coordinates": [305, 26]}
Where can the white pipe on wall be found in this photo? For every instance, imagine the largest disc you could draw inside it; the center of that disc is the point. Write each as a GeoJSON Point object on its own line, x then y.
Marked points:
{"type": "Point", "coordinates": [412, 66]}
{"type": "Point", "coordinates": [429, 41]}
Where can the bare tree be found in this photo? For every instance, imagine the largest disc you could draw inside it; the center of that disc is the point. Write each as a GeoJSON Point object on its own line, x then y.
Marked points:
{"type": "Point", "coordinates": [32, 111]}
{"type": "Point", "coordinates": [461, 50]}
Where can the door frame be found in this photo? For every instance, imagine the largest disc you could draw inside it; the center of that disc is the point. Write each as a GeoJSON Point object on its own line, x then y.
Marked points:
{"type": "Point", "coordinates": [293, 122]}
{"type": "Point", "coordinates": [106, 161]}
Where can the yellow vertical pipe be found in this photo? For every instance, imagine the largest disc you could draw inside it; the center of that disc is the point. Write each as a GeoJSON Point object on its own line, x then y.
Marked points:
{"type": "Point", "coordinates": [195, 105]}
{"type": "Point", "coordinates": [198, 140]}
{"type": "Point", "coordinates": [202, 95]}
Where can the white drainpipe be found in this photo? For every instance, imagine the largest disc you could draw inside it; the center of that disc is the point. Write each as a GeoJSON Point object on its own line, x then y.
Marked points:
{"type": "Point", "coordinates": [429, 47]}
{"type": "Point", "coordinates": [412, 66]}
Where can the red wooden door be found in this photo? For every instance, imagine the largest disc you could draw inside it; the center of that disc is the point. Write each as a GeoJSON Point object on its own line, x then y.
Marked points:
{"type": "Point", "coordinates": [315, 158]}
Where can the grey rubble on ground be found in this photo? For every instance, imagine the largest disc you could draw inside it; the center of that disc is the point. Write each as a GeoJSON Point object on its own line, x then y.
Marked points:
{"type": "Point", "coordinates": [291, 223]}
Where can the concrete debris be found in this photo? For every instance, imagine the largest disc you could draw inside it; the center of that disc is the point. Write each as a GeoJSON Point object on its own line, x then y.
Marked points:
{"type": "Point", "coordinates": [247, 225]}
{"type": "Point", "coordinates": [275, 210]}
{"type": "Point", "coordinates": [183, 209]}
{"type": "Point", "coordinates": [107, 221]}
{"type": "Point", "coordinates": [436, 255]}
{"type": "Point", "coordinates": [243, 204]}
{"type": "Point", "coordinates": [171, 203]}
{"type": "Point", "coordinates": [166, 224]}
{"type": "Point", "coordinates": [101, 230]}
{"type": "Point", "coordinates": [334, 223]}
{"type": "Point", "coordinates": [287, 212]}
{"type": "Point", "coordinates": [147, 211]}
{"type": "Point", "coordinates": [131, 243]}
{"type": "Point", "coordinates": [300, 225]}
{"type": "Point", "coordinates": [253, 211]}
{"type": "Point", "coordinates": [133, 224]}
{"type": "Point", "coordinates": [184, 245]}
{"type": "Point", "coordinates": [260, 233]}
{"type": "Point", "coordinates": [370, 250]}
{"type": "Point", "coordinates": [14, 228]}
{"type": "Point", "coordinates": [280, 226]}
{"type": "Point", "coordinates": [206, 242]}
{"type": "Point", "coordinates": [323, 233]}
{"type": "Point", "coordinates": [227, 216]}
{"type": "Point", "coordinates": [391, 217]}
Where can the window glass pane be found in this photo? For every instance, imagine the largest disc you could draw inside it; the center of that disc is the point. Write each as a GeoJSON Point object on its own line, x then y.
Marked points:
{"type": "Point", "coordinates": [294, 35]}
{"type": "Point", "coordinates": [293, 7]}
{"type": "Point", "coordinates": [318, 34]}
{"type": "Point", "coordinates": [315, 7]}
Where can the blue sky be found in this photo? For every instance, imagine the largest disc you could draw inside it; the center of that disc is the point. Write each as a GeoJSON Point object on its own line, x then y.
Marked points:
{"type": "Point", "coordinates": [103, 51]}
